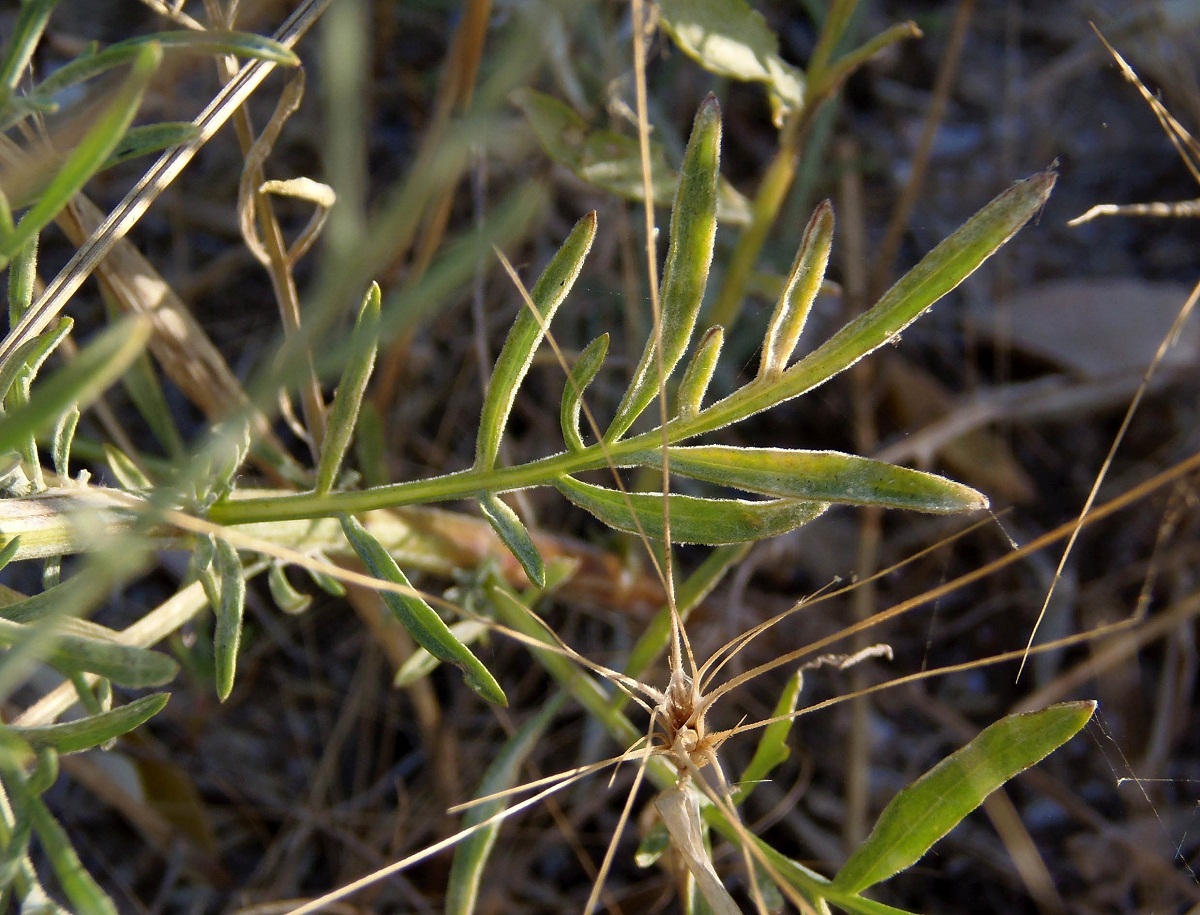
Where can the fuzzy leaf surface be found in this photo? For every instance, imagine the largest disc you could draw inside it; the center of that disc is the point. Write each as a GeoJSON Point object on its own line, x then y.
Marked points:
{"type": "Point", "coordinates": [420, 619]}
{"type": "Point", "coordinates": [825, 476]}
{"type": "Point", "coordinates": [685, 275]}
{"type": "Point", "coordinates": [94, 730]}
{"type": "Point", "coordinates": [527, 332]}
{"type": "Point", "coordinates": [693, 520]}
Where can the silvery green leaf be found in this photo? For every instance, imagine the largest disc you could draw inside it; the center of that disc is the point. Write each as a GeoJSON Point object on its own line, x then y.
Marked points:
{"type": "Point", "coordinates": [799, 293]}
{"type": "Point", "coordinates": [512, 533]}
{"type": "Point", "coordinates": [699, 372]}
{"type": "Point", "coordinates": [825, 476]}
{"type": "Point", "coordinates": [527, 332]}
{"type": "Point", "coordinates": [582, 373]}
{"type": "Point", "coordinates": [693, 520]}
{"type": "Point", "coordinates": [685, 276]}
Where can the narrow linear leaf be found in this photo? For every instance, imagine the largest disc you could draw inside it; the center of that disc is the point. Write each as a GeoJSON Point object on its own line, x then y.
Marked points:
{"type": "Point", "coordinates": [343, 415]}
{"type": "Point", "coordinates": [680, 811]}
{"type": "Point", "coordinates": [527, 332]}
{"type": "Point", "coordinates": [699, 372]}
{"type": "Point", "coordinates": [420, 619]}
{"type": "Point", "coordinates": [22, 278]}
{"type": "Point", "coordinates": [612, 161]}
{"type": "Point", "coordinates": [421, 663]}
{"type": "Point", "coordinates": [512, 533]}
{"type": "Point", "coordinates": [229, 610]}
{"type": "Point", "coordinates": [80, 382]}
{"type": "Point", "coordinates": [90, 65]}
{"type": "Point", "coordinates": [61, 438]}
{"type": "Point", "coordinates": [472, 853]}
{"type": "Point", "coordinates": [28, 358]}
{"type": "Point", "coordinates": [825, 476]}
{"type": "Point", "coordinates": [8, 551]}
{"type": "Point", "coordinates": [128, 666]}
{"type": "Point", "coordinates": [89, 154]}
{"type": "Point", "coordinates": [693, 520]}
{"type": "Point", "coordinates": [799, 293]}
{"type": "Point", "coordinates": [126, 471]}
{"type": "Point", "coordinates": [582, 373]}
{"type": "Point", "coordinates": [730, 38]}
{"type": "Point", "coordinates": [940, 271]}
{"type": "Point", "coordinates": [685, 275]}
{"type": "Point", "coordinates": [151, 138]}
{"type": "Point", "coordinates": [934, 804]}
{"type": "Point", "coordinates": [82, 892]}
{"type": "Point", "coordinates": [286, 596]}
{"type": "Point", "coordinates": [94, 730]}
{"type": "Point", "coordinates": [772, 749]}
{"type": "Point", "coordinates": [22, 42]}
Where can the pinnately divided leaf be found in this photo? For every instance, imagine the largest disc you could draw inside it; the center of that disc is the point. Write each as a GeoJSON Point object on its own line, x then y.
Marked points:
{"type": "Point", "coordinates": [689, 256]}
{"type": "Point", "coordinates": [420, 619]}
{"type": "Point", "coordinates": [825, 476]}
{"type": "Point", "coordinates": [693, 520]}
{"type": "Point", "coordinates": [934, 804]}
{"type": "Point", "coordinates": [527, 332]}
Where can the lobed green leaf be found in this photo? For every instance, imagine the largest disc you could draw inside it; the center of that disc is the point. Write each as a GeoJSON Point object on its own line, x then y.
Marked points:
{"type": "Point", "coordinates": [582, 373]}
{"type": "Point", "coordinates": [824, 476]}
{"type": "Point", "coordinates": [799, 293]}
{"type": "Point", "coordinates": [347, 401]}
{"type": "Point", "coordinates": [512, 533]}
{"type": "Point", "coordinates": [940, 271]}
{"type": "Point", "coordinates": [685, 276]}
{"type": "Point", "coordinates": [693, 520]}
{"type": "Point", "coordinates": [527, 332]}
{"type": "Point", "coordinates": [935, 803]}
{"type": "Point", "coordinates": [420, 619]}
{"type": "Point", "coordinates": [94, 730]}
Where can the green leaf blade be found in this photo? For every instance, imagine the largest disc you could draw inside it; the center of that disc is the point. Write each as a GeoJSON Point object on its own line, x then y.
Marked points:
{"type": "Point", "coordinates": [347, 401]}
{"type": "Point", "coordinates": [230, 609]}
{"type": "Point", "coordinates": [940, 271]}
{"type": "Point", "coordinates": [823, 476]}
{"type": "Point", "coordinates": [730, 38]}
{"type": "Point", "coordinates": [515, 536]}
{"type": "Point", "coordinates": [799, 293]}
{"type": "Point", "coordinates": [94, 730]}
{"type": "Point", "coordinates": [472, 853]}
{"type": "Point", "coordinates": [527, 332]}
{"type": "Point", "coordinates": [693, 520]}
{"type": "Point", "coordinates": [97, 366]}
{"type": "Point", "coordinates": [685, 276]}
{"type": "Point", "coordinates": [420, 619]}
{"type": "Point", "coordinates": [612, 161]}
{"type": "Point", "coordinates": [89, 154]}
{"type": "Point", "coordinates": [931, 806]}
{"type": "Point", "coordinates": [582, 373]}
